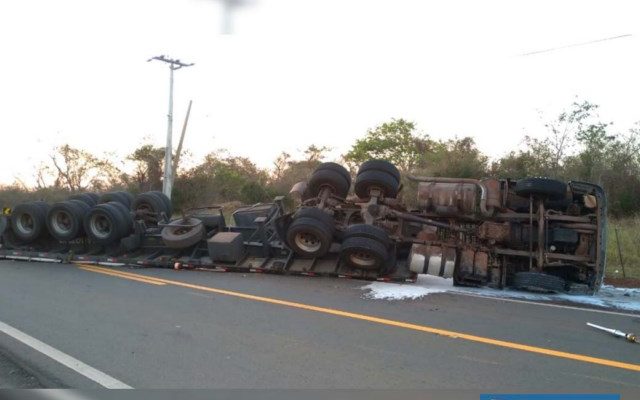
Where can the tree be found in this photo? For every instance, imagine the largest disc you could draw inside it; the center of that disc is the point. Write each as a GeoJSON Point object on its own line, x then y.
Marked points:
{"type": "Point", "coordinates": [537, 159]}
{"type": "Point", "coordinates": [149, 163]}
{"type": "Point", "coordinates": [221, 178]}
{"type": "Point", "coordinates": [396, 141]}
{"type": "Point", "coordinates": [288, 171]}
{"type": "Point", "coordinates": [457, 158]}
{"type": "Point", "coordinates": [79, 170]}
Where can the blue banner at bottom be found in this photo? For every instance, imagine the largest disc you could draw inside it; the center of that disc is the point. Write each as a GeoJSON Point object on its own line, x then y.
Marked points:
{"type": "Point", "coordinates": [498, 396]}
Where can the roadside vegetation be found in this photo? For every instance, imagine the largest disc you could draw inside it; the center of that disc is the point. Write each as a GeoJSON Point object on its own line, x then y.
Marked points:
{"type": "Point", "coordinates": [624, 263]}
{"type": "Point", "coordinates": [577, 145]}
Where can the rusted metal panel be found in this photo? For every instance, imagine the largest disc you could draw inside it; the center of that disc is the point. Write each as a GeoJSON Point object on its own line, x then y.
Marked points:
{"type": "Point", "coordinates": [496, 232]}
{"type": "Point", "coordinates": [474, 263]}
{"type": "Point", "coordinates": [428, 233]}
{"type": "Point", "coordinates": [481, 263]}
{"type": "Point", "coordinates": [492, 187]}
{"type": "Point", "coordinates": [448, 198]}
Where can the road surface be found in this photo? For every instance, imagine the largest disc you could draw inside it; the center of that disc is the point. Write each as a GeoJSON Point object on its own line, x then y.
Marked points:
{"type": "Point", "coordinates": [156, 328]}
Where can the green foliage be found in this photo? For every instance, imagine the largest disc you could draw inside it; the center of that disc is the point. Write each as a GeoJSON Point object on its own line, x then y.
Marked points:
{"type": "Point", "coordinates": [628, 237]}
{"type": "Point", "coordinates": [577, 146]}
{"type": "Point", "coordinates": [12, 195]}
{"type": "Point", "coordinates": [396, 141]}
{"type": "Point", "coordinates": [458, 158]}
{"type": "Point", "coordinates": [218, 179]}
{"type": "Point", "coordinates": [149, 161]}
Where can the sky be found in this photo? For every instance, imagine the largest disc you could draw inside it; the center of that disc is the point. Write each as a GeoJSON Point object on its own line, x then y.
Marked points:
{"type": "Point", "coordinates": [297, 72]}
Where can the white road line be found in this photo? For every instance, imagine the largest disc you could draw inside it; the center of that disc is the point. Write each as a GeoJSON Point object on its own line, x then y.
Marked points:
{"type": "Point", "coordinates": [78, 366]}
{"type": "Point", "coordinates": [536, 303]}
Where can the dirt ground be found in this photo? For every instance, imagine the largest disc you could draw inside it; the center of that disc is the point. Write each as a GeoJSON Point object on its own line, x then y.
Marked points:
{"type": "Point", "coordinates": [622, 282]}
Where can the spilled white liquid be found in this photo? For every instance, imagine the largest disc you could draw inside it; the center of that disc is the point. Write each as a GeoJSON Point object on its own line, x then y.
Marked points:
{"type": "Point", "coordinates": [608, 296]}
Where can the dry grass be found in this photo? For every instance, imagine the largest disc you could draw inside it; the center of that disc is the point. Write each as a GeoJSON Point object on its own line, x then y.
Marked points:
{"type": "Point", "coordinates": [628, 237]}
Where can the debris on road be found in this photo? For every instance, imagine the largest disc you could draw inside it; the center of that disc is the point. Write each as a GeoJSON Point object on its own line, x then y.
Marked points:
{"type": "Point", "coordinates": [608, 297]}
{"type": "Point", "coordinates": [630, 337]}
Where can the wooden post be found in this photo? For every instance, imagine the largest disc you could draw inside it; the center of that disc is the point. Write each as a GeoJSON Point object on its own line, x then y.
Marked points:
{"type": "Point", "coordinates": [624, 274]}
{"type": "Point", "coordinates": [176, 159]}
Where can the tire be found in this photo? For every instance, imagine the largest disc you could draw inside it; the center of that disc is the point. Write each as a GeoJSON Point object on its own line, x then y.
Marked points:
{"type": "Point", "coordinates": [115, 196]}
{"type": "Point", "coordinates": [94, 196]}
{"type": "Point", "coordinates": [4, 223]}
{"type": "Point", "coordinates": [368, 180]}
{"type": "Point", "coordinates": [43, 205]}
{"type": "Point", "coordinates": [166, 200]}
{"type": "Point", "coordinates": [178, 237]}
{"type": "Point", "coordinates": [380, 165]}
{"type": "Point", "coordinates": [536, 281]}
{"type": "Point", "coordinates": [86, 198]}
{"type": "Point", "coordinates": [328, 178]}
{"type": "Point", "coordinates": [331, 166]}
{"type": "Point", "coordinates": [310, 237]}
{"type": "Point", "coordinates": [83, 206]}
{"type": "Point", "coordinates": [103, 224]}
{"type": "Point", "coordinates": [316, 213]}
{"type": "Point", "coordinates": [368, 231]}
{"type": "Point", "coordinates": [364, 253]}
{"type": "Point", "coordinates": [544, 187]}
{"type": "Point", "coordinates": [28, 221]}
{"type": "Point", "coordinates": [148, 207]}
{"type": "Point", "coordinates": [65, 220]}
{"type": "Point", "coordinates": [128, 196]}
{"type": "Point", "coordinates": [126, 225]}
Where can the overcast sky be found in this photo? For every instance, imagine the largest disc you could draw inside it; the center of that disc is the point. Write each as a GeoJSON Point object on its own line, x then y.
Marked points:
{"type": "Point", "coordinates": [297, 72]}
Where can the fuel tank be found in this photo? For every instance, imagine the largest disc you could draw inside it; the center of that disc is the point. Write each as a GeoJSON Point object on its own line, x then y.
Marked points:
{"type": "Point", "coordinates": [455, 197]}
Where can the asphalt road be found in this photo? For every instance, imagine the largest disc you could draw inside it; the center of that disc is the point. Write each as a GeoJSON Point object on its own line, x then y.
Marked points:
{"type": "Point", "coordinates": [180, 333]}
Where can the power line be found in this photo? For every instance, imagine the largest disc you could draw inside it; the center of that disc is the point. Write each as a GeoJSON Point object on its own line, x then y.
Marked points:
{"type": "Point", "coordinates": [575, 45]}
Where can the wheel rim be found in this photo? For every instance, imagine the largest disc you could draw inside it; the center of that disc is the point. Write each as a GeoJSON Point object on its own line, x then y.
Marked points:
{"type": "Point", "coordinates": [355, 218]}
{"type": "Point", "coordinates": [147, 211]}
{"type": "Point", "coordinates": [62, 222]}
{"type": "Point", "coordinates": [331, 188]}
{"type": "Point", "coordinates": [373, 187]}
{"type": "Point", "coordinates": [307, 242]}
{"type": "Point", "coordinates": [363, 259]}
{"type": "Point", "coordinates": [100, 226]}
{"type": "Point", "coordinates": [25, 224]}
{"type": "Point", "coordinates": [144, 207]}
{"type": "Point", "coordinates": [181, 230]}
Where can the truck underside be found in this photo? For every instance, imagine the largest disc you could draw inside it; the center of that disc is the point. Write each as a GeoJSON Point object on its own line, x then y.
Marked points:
{"type": "Point", "coordinates": [535, 233]}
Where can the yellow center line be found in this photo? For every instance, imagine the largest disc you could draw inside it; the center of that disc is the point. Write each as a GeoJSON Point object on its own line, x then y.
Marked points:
{"type": "Point", "coordinates": [133, 278]}
{"type": "Point", "coordinates": [384, 321]}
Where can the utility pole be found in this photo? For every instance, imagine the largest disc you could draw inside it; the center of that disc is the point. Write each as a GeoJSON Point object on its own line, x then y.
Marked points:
{"type": "Point", "coordinates": [167, 181]}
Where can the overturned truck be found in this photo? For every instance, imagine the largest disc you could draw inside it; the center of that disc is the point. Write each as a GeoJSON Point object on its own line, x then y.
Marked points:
{"type": "Point", "coordinates": [535, 233]}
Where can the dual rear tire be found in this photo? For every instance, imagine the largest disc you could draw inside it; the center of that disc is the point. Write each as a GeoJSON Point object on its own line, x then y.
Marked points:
{"type": "Point", "coordinates": [310, 234]}
{"type": "Point", "coordinates": [150, 207]}
{"type": "Point", "coordinates": [366, 247]}
{"type": "Point", "coordinates": [363, 247]}
{"type": "Point", "coordinates": [108, 222]}
{"type": "Point", "coordinates": [65, 219]}
{"type": "Point", "coordinates": [331, 176]}
{"type": "Point", "coordinates": [29, 220]}
{"type": "Point", "coordinates": [377, 175]}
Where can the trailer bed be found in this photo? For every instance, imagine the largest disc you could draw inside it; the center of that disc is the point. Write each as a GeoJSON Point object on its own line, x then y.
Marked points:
{"type": "Point", "coordinates": [328, 266]}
